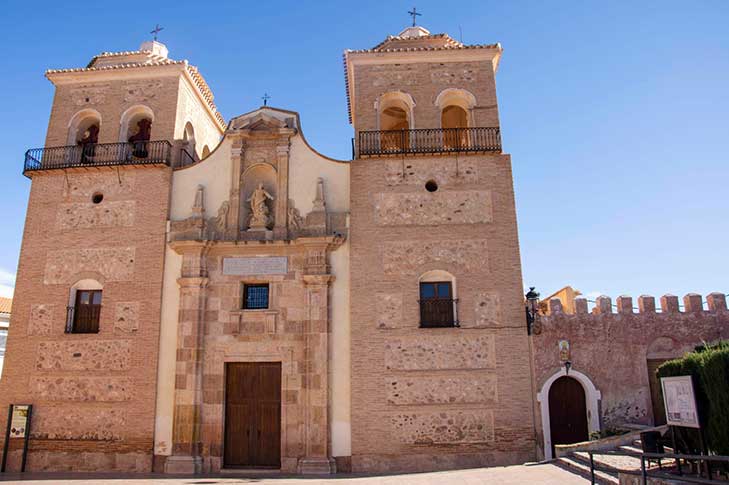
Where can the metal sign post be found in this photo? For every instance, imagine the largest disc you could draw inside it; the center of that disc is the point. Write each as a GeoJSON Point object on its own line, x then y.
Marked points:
{"type": "Point", "coordinates": [19, 416]}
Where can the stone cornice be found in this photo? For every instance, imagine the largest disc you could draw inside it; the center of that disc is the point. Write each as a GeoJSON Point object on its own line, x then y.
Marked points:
{"type": "Point", "coordinates": [254, 247]}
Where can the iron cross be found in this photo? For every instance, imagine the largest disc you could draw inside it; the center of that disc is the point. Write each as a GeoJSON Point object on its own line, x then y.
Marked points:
{"type": "Point", "coordinates": [414, 14]}
{"type": "Point", "coordinates": [156, 31]}
{"type": "Point", "coordinates": [265, 99]}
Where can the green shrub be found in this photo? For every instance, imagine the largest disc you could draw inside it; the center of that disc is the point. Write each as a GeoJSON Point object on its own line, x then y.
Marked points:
{"type": "Point", "coordinates": [708, 365]}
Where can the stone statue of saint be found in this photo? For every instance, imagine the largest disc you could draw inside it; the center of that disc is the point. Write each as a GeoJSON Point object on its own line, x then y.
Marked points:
{"type": "Point", "coordinates": [259, 210]}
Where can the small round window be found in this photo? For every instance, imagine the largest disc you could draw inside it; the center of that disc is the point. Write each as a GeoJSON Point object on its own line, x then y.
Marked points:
{"type": "Point", "coordinates": [431, 186]}
{"type": "Point", "coordinates": [97, 197]}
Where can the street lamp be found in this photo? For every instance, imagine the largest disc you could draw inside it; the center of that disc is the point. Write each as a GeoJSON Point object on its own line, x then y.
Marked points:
{"type": "Point", "coordinates": [532, 308]}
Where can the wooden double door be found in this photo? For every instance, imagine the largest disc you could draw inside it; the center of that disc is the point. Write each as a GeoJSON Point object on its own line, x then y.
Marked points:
{"type": "Point", "coordinates": [253, 415]}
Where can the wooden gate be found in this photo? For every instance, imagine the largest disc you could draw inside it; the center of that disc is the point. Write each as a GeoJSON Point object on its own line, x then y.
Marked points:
{"type": "Point", "coordinates": [253, 415]}
{"type": "Point", "coordinates": [567, 412]}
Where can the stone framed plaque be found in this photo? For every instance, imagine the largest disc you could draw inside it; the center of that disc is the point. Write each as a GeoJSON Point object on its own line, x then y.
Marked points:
{"type": "Point", "coordinates": [256, 266]}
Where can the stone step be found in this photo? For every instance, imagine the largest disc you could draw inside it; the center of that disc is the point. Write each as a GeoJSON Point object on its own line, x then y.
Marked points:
{"type": "Point", "coordinates": [630, 449]}
{"type": "Point", "coordinates": [573, 465]}
{"type": "Point", "coordinates": [609, 463]}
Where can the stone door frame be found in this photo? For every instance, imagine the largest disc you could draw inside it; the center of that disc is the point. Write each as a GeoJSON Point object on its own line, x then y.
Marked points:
{"type": "Point", "coordinates": [592, 396]}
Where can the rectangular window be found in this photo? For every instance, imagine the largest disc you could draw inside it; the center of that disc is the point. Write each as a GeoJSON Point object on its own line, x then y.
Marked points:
{"type": "Point", "coordinates": [437, 306]}
{"type": "Point", "coordinates": [86, 311]}
{"type": "Point", "coordinates": [255, 297]}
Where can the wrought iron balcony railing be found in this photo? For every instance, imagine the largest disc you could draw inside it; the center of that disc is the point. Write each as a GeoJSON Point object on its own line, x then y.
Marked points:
{"type": "Point", "coordinates": [98, 155]}
{"type": "Point", "coordinates": [428, 140]}
{"type": "Point", "coordinates": [438, 312]}
{"type": "Point", "coordinates": [83, 318]}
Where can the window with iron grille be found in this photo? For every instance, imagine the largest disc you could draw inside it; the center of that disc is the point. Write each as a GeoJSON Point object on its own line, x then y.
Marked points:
{"type": "Point", "coordinates": [83, 317]}
{"type": "Point", "coordinates": [437, 306]}
{"type": "Point", "coordinates": [255, 297]}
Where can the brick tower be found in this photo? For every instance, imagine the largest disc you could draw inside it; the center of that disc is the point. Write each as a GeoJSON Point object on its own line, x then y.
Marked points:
{"type": "Point", "coordinates": [440, 357]}
{"type": "Point", "coordinates": [83, 343]}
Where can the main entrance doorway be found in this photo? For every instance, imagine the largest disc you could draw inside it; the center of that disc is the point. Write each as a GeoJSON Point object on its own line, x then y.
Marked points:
{"type": "Point", "coordinates": [253, 414]}
{"type": "Point", "coordinates": [567, 412]}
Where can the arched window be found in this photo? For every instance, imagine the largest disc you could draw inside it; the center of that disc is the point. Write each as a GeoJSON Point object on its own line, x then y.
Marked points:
{"type": "Point", "coordinates": [438, 302]}
{"type": "Point", "coordinates": [455, 107]}
{"type": "Point", "coordinates": [83, 132]}
{"type": "Point", "coordinates": [84, 307]}
{"type": "Point", "coordinates": [395, 118]}
{"type": "Point", "coordinates": [136, 128]}
{"type": "Point", "coordinates": [205, 151]}
{"type": "Point", "coordinates": [188, 138]}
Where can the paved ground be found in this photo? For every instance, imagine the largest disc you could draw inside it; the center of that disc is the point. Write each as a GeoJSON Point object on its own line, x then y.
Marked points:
{"type": "Point", "coordinates": [512, 475]}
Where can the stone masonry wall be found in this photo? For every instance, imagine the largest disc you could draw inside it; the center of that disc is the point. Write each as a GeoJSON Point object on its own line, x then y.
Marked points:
{"type": "Point", "coordinates": [612, 344]}
{"type": "Point", "coordinates": [437, 398]}
{"type": "Point", "coordinates": [93, 394]}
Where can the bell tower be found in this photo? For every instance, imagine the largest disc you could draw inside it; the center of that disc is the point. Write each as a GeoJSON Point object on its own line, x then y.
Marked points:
{"type": "Point", "coordinates": [440, 356]}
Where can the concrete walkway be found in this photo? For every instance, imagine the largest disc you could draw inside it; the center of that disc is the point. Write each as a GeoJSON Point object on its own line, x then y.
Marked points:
{"type": "Point", "coordinates": [547, 474]}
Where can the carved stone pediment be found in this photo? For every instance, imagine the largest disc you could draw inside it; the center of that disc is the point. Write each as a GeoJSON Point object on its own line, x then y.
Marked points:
{"type": "Point", "coordinates": [263, 121]}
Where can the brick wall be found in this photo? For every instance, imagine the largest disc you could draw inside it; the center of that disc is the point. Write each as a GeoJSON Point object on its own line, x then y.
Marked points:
{"type": "Point", "coordinates": [93, 394]}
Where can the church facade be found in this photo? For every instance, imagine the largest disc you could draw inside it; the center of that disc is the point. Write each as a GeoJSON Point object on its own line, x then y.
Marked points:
{"type": "Point", "coordinates": [196, 295]}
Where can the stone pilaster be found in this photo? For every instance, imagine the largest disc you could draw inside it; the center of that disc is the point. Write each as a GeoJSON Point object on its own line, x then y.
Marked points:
{"type": "Point", "coordinates": [186, 433]}
{"type": "Point", "coordinates": [281, 212]}
{"type": "Point", "coordinates": [317, 457]}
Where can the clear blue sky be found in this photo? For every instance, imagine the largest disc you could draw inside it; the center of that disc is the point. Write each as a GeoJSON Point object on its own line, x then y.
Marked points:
{"type": "Point", "coordinates": [616, 113]}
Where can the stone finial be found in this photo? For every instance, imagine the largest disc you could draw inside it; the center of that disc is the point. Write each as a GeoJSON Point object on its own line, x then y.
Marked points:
{"type": "Point", "coordinates": [669, 303]}
{"type": "Point", "coordinates": [603, 304]}
{"type": "Point", "coordinates": [580, 305]}
{"type": "Point", "coordinates": [625, 304]}
{"type": "Point", "coordinates": [646, 304]}
{"type": "Point", "coordinates": [555, 305]}
{"type": "Point", "coordinates": [716, 301]}
{"type": "Point", "coordinates": [198, 206]}
{"type": "Point", "coordinates": [693, 303]}
{"type": "Point", "coordinates": [319, 203]}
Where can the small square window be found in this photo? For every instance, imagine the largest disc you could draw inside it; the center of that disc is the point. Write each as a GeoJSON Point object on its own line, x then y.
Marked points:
{"type": "Point", "coordinates": [255, 297]}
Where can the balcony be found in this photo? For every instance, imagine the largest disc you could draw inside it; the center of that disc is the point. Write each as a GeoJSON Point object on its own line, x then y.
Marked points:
{"type": "Point", "coordinates": [98, 155]}
{"type": "Point", "coordinates": [429, 140]}
{"type": "Point", "coordinates": [438, 312]}
{"type": "Point", "coordinates": [83, 318]}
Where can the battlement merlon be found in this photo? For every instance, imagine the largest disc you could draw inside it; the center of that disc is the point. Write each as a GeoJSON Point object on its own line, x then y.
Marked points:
{"type": "Point", "coordinates": [692, 303]}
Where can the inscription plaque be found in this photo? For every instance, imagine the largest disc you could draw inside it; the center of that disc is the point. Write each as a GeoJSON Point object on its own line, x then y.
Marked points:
{"type": "Point", "coordinates": [255, 266]}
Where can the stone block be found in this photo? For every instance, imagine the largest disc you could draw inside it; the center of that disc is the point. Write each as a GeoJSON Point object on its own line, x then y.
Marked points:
{"type": "Point", "coordinates": [646, 304]}
{"type": "Point", "coordinates": [555, 305]}
{"type": "Point", "coordinates": [441, 389]}
{"type": "Point", "coordinates": [114, 264]}
{"type": "Point", "coordinates": [83, 215]}
{"type": "Point", "coordinates": [436, 208]}
{"type": "Point", "coordinates": [79, 355]}
{"type": "Point", "coordinates": [693, 303]}
{"type": "Point", "coordinates": [41, 319]}
{"type": "Point", "coordinates": [669, 304]}
{"type": "Point", "coordinates": [603, 305]}
{"type": "Point", "coordinates": [84, 185]}
{"type": "Point", "coordinates": [126, 317]}
{"type": "Point", "coordinates": [625, 304]}
{"type": "Point", "coordinates": [106, 389]}
{"type": "Point", "coordinates": [580, 305]}
{"type": "Point", "coordinates": [408, 257]}
{"type": "Point", "coordinates": [716, 301]}
{"type": "Point", "coordinates": [445, 427]}
{"type": "Point", "coordinates": [70, 423]}
{"type": "Point", "coordinates": [440, 352]}
{"type": "Point", "coordinates": [487, 311]}
{"type": "Point", "coordinates": [389, 310]}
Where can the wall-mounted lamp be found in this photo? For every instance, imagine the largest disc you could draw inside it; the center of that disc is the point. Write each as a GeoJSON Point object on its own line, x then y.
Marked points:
{"type": "Point", "coordinates": [567, 367]}
{"type": "Point", "coordinates": [532, 308]}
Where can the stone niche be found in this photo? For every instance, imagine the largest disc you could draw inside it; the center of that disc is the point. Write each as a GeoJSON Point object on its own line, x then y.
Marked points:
{"type": "Point", "coordinates": [409, 390]}
{"type": "Point", "coordinates": [444, 427]}
{"type": "Point", "coordinates": [97, 355]}
{"type": "Point", "coordinates": [440, 352]}
{"type": "Point", "coordinates": [102, 389]}
{"type": "Point", "coordinates": [407, 257]}
{"type": "Point", "coordinates": [259, 173]}
{"type": "Point", "coordinates": [429, 209]}
{"type": "Point", "coordinates": [84, 215]}
{"type": "Point", "coordinates": [114, 264]}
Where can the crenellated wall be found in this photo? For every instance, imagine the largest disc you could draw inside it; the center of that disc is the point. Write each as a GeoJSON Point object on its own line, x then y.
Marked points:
{"type": "Point", "coordinates": [615, 345]}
